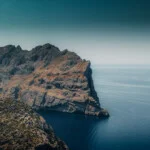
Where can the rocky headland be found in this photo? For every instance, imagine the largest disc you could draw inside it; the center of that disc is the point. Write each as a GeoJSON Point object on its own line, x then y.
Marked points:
{"type": "Point", "coordinates": [21, 128]}
{"type": "Point", "coordinates": [50, 79]}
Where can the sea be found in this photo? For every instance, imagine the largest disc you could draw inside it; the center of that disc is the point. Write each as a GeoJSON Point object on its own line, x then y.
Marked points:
{"type": "Point", "coordinates": [124, 90]}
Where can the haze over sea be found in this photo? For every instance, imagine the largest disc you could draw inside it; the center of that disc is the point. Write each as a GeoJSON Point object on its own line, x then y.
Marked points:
{"type": "Point", "coordinates": [125, 91]}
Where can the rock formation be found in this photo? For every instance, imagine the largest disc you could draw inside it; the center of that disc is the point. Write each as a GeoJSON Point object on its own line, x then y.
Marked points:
{"type": "Point", "coordinates": [23, 129]}
{"type": "Point", "coordinates": [47, 78]}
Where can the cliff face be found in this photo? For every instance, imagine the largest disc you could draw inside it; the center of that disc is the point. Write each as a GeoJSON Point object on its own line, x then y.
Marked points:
{"type": "Point", "coordinates": [23, 129]}
{"type": "Point", "coordinates": [47, 78]}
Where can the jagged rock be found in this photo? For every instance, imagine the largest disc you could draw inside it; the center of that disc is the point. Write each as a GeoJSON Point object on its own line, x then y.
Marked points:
{"type": "Point", "coordinates": [23, 129]}
{"type": "Point", "coordinates": [49, 79]}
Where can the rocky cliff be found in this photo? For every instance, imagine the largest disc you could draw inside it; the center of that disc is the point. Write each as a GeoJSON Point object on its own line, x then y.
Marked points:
{"type": "Point", "coordinates": [47, 78]}
{"type": "Point", "coordinates": [23, 129]}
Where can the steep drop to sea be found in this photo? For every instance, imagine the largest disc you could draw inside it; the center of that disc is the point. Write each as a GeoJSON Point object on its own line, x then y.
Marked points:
{"type": "Point", "coordinates": [46, 78]}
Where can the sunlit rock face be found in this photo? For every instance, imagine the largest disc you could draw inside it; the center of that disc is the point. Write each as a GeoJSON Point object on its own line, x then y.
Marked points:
{"type": "Point", "coordinates": [47, 78]}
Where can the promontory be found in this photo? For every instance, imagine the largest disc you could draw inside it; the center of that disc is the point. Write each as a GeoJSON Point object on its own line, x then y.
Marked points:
{"type": "Point", "coordinates": [50, 79]}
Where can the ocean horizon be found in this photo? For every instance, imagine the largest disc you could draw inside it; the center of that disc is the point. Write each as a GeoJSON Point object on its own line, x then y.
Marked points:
{"type": "Point", "coordinates": [125, 92]}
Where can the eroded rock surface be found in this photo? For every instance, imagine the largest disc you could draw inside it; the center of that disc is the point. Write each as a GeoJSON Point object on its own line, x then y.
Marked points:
{"type": "Point", "coordinates": [47, 78]}
{"type": "Point", "coordinates": [21, 128]}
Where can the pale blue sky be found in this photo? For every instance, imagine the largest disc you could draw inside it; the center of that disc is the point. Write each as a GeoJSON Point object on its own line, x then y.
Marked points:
{"type": "Point", "coordinates": [103, 31]}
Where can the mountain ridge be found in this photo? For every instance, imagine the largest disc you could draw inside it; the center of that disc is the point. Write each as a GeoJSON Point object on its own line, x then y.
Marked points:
{"type": "Point", "coordinates": [47, 78]}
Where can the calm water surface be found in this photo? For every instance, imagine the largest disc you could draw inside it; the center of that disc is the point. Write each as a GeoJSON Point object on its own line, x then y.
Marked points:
{"type": "Point", "coordinates": [125, 92]}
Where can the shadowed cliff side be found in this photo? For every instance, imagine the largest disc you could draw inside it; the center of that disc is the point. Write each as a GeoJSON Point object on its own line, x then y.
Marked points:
{"type": "Point", "coordinates": [47, 78]}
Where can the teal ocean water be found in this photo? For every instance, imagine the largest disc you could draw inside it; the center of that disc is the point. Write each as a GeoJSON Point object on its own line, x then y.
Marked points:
{"type": "Point", "coordinates": [125, 92]}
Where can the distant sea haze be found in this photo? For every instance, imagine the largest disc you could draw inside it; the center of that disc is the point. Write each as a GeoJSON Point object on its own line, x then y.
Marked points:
{"type": "Point", "coordinates": [98, 46]}
{"type": "Point", "coordinates": [124, 91]}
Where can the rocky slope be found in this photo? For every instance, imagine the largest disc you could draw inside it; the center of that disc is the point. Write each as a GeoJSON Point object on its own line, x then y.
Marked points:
{"type": "Point", "coordinates": [23, 129]}
{"type": "Point", "coordinates": [47, 78]}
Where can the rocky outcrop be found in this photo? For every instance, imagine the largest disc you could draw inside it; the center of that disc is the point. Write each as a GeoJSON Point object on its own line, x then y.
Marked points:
{"type": "Point", "coordinates": [47, 78]}
{"type": "Point", "coordinates": [23, 129]}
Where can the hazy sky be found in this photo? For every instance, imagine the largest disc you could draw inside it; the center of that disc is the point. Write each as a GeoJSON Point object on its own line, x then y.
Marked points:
{"type": "Point", "coordinates": [103, 31]}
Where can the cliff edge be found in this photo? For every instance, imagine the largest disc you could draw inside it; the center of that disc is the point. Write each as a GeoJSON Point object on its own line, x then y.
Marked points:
{"type": "Point", "coordinates": [47, 78]}
{"type": "Point", "coordinates": [23, 129]}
